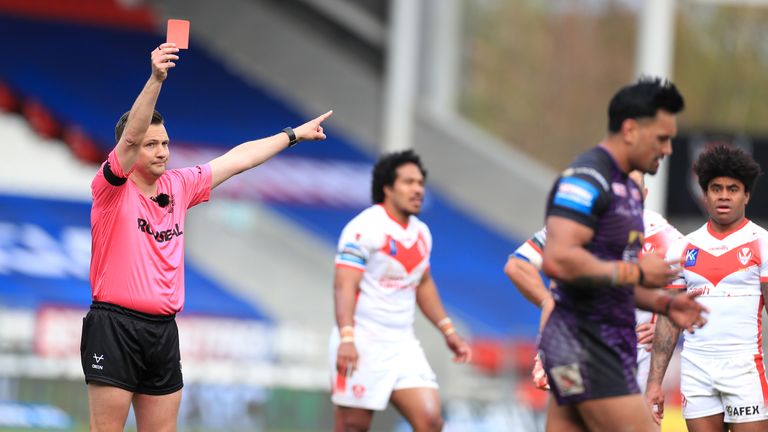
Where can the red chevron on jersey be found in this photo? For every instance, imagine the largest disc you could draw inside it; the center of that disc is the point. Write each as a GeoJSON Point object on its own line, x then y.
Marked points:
{"type": "Point", "coordinates": [409, 257]}
{"type": "Point", "coordinates": [394, 259]}
{"type": "Point", "coordinates": [715, 268]}
{"type": "Point", "coordinates": [726, 270]}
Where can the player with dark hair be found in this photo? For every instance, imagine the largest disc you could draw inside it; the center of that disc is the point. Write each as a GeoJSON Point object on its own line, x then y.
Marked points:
{"type": "Point", "coordinates": [523, 268]}
{"type": "Point", "coordinates": [130, 344]}
{"type": "Point", "coordinates": [382, 274]}
{"type": "Point", "coordinates": [594, 235]}
{"type": "Point", "coordinates": [722, 374]}
{"type": "Point", "coordinates": [385, 172]}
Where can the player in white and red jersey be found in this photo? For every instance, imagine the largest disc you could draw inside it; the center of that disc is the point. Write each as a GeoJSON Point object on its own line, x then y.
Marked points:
{"type": "Point", "coordinates": [382, 273]}
{"type": "Point", "coordinates": [722, 373]}
{"type": "Point", "coordinates": [524, 264]}
{"type": "Point", "coordinates": [523, 268]}
{"type": "Point", "coordinates": [659, 235]}
{"type": "Point", "coordinates": [130, 343]}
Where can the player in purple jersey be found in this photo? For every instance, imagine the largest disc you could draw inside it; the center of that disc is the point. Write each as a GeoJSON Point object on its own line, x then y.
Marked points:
{"type": "Point", "coordinates": [594, 234]}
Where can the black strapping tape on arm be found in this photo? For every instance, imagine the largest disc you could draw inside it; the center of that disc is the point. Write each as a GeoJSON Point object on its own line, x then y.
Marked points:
{"type": "Point", "coordinates": [112, 178]}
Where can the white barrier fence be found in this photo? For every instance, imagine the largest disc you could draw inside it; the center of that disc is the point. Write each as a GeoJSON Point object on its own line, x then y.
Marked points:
{"type": "Point", "coordinates": [218, 350]}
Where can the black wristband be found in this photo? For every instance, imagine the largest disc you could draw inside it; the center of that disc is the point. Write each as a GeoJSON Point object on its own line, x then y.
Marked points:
{"type": "Point", "coordinates": [291, 136]}
{"type": "Point", "coordinates": [641, 277]}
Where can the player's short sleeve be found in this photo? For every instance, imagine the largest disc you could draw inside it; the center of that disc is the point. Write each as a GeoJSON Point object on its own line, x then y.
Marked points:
{"type": "Point", "coordinates": [676, 254]}
{"type": "Point", "coordinates": [674, 235]}
{"type": "Point", "coordinates": [532, 249]}
{"type": "Point", "coordinates": [358, 241]}
{"type": "Point", "coordinates": [197, 183]}
{"type": "Point", "coordinates": [763, 242]}
{"type": "Point", "coordinates": [579, 197]}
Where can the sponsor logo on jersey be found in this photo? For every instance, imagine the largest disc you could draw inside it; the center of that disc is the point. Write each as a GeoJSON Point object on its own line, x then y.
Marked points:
{"type": "Point", "coordinates": [568, 379]}
{"type": "Point", "coordinates": [159, 236]}
{"type": "Point", "coordinates": [396, 283]}
{"type": "Point", "coordinates": [691, 255]}
{"type": "Point", "coordinates": [748, 410]}
{"type": "Point", "coordinates": [700, 291]}
{"type": "Point", "coordinates": [619, 189]}
{"type": "Point", "coordinates": [575, 194]}
{"type": "Point", "coordinates": [744, 254]}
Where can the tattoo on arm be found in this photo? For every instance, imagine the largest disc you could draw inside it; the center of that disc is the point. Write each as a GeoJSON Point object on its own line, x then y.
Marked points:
{"type": "Point", "coordinates": [664, 342]}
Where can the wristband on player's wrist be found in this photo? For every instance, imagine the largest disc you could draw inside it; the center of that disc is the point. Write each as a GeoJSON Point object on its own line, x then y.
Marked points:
{"type": "Point", "coordinates": [626, 273]}
{"type": "Point", "coordinates": [347, 333]}
{"type": "Point", "coordinates": [446, 326]}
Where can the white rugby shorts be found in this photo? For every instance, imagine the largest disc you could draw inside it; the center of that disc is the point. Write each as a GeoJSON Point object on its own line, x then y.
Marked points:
{"type": "Point", "coordinates": [735, 386]}
{"type": "Point", "coordinates": [382, 367]}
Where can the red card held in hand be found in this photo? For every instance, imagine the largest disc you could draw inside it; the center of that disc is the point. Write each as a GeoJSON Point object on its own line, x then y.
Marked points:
{"type": "Point", "coordinates": [178, 33]}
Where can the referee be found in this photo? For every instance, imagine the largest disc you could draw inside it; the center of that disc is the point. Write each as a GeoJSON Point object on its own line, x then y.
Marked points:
{"type": "Point", "coordinates": [130, 343]}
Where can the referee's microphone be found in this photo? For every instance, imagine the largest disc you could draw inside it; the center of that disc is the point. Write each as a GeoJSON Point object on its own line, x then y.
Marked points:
{"type": "Point", "coordinates": [161, 199]}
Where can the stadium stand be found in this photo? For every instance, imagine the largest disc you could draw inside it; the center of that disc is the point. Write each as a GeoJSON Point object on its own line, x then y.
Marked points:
{"type": "Point", "coordinates": [283, 219]}
{"type": "Point", "coordinates": [466, 261]}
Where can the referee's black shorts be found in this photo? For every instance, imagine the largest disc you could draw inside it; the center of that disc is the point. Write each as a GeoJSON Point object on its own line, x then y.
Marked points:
{"type": "Point", "coordinates": [131, 350]}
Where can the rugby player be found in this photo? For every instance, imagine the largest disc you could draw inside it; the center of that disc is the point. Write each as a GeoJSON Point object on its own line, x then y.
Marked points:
{"type": "Point", "coordinates": [382, 274]}
{"type": "Point", "coordinates": [722, 374]}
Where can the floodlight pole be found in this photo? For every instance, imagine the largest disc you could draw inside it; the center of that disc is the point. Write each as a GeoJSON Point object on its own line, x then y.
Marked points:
{"type": "Point", "coordinates": [401, 74]}
{"type": "Point", "coordinates": [442, 56]}
{"type": "Point", "coordinates": [654, 54]}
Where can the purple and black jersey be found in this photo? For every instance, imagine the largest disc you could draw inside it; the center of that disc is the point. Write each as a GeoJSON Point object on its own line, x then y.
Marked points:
{"type": "Point", "coordinates": [593, 191]}
{"type": "Point", "coordinates": [588, 345]}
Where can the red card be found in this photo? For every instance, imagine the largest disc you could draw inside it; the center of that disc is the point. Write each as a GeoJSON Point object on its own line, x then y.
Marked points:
{"type": "Point", "coordinates": [178, 33]}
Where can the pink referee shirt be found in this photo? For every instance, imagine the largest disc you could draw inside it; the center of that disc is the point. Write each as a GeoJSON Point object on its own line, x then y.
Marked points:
{"type": "Point", "coordinates": [137, 251]}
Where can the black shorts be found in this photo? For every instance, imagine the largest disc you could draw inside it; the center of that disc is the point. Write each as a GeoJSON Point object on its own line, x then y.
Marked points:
{"type": "Point", "coordinates": [587, 360]}
{"type": "Point", "coordinates": [132, 350]}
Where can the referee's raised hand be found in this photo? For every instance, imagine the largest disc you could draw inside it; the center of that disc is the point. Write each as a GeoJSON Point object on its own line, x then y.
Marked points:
{"type": "Point", "coordinates": [163, 58]}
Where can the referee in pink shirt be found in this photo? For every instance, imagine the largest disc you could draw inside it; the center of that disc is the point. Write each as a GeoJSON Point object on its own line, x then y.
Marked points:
{"type": "Point", "coordinates": [130, 343]}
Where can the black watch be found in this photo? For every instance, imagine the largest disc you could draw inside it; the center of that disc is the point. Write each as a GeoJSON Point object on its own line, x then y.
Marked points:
{"type": "Point", "coordinates": [291, 136]}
